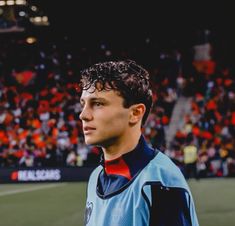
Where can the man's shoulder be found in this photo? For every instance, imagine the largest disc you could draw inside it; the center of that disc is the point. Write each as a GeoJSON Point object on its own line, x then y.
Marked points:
{"type": "Point", "coordinates": [164, 170]}
{"type": "Point", "coordinates": [95, 173]}
{"type": "Point", "coordinates": [96, 170]}
{"type": "Point", "coordinates": [162, 160]}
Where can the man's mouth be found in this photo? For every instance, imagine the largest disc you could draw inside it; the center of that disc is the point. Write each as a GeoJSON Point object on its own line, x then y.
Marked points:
{"type": "Point", "coordinates": [88, 129]}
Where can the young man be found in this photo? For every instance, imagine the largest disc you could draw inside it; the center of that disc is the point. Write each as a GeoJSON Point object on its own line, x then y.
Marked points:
{"type": "Point", "coordinates": [134, 185]}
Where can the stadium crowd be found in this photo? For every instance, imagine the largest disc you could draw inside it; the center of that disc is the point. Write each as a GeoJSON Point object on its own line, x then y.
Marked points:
{"type": "Point", "coordinates": [39, 106]}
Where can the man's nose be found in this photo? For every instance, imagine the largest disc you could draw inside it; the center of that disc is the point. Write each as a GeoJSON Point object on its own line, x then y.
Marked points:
{"type": "Point", "coordinates": [85, 114]}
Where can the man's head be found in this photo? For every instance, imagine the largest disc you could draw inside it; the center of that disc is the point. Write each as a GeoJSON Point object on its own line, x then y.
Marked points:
{"type": "Point", "coordinates": [129, 79]}
{"type": "Point", "coordinates": [116, 99]}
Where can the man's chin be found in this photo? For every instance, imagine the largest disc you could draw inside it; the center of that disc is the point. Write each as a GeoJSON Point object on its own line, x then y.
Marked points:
{"type": "Point", "coordinates": [101, 142]}
{"type": "Point", "coordinates": [94, 142]}
{"type": "Point", "coordinates": [90, 141]}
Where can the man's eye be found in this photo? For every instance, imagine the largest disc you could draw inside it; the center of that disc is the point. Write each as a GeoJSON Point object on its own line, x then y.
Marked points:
{"type": "Point", "coordinates": [98, 104]}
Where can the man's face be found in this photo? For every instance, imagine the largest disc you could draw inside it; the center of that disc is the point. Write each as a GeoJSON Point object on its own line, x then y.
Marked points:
{"type": "Point", "coordinates": [105, 120]}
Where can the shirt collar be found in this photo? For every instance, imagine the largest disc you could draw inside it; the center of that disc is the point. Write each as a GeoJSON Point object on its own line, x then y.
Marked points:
{"type": "Point", "coordinates": [130, 163]}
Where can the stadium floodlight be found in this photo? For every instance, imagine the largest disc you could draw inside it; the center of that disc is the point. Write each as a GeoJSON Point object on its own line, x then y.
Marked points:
{"type": "Point", "coordinates": [22, 13]}
{"type": "Point", "coordinates": [45, 19]}
{"type": "Point", "coordinates": [20, 2]}
{"type": "Point", "coordinates": [31, 40]}
{"type": "Point", "coordinates": [34, 8]}
{"type": "Point", "coordinates": [2, 3]}
{"type": "Point", "coordinates": [10, 2]}
{"type": "Point", "coordinates": [38, 20]}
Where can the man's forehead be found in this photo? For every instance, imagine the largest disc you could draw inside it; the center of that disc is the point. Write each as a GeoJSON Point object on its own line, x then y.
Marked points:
{"type": "Point", "coordinates": [90, 93]}
{"type": "Point", "coordinates": [95, 93]}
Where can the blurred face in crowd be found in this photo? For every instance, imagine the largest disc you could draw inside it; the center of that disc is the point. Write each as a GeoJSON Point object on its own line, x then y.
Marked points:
{"type": "Point", "coordinates": [105, 120]}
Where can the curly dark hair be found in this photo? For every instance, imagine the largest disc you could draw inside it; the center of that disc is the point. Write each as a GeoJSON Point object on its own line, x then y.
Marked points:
{"type": "Point", "coordinates": [127, 77]}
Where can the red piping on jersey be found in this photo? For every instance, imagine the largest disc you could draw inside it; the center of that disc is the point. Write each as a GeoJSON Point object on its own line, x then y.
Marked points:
{"type": "Point", "coordinates": [117, 167]}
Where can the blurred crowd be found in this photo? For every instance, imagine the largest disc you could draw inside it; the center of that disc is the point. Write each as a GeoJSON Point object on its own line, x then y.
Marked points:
{"type": "Point", "coordinates": [39, 105]}
{"type": "Point", "coordinates": [207, 139]}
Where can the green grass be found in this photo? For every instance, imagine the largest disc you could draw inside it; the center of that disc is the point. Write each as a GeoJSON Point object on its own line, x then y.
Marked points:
{"type": "Point", "coordinates": [59, 205]}
{"type": "Point", "coordinates": [62, 204]}
{"type": "Point", "coordinates": [215, 201]}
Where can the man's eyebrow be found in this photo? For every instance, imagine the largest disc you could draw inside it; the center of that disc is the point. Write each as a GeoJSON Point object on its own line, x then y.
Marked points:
{"type": "Point", "coordinates": [98, 98]}
{"type": "Point", "coordinates": [93, 99]}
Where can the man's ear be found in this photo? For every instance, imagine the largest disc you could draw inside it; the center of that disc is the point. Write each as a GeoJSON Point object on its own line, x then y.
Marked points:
{"type": "Point", "coordinates": [136, 113]}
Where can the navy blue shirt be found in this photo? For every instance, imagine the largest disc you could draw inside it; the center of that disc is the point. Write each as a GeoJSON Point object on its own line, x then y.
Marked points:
{"type": "Point", "coordinates": [118, 172]}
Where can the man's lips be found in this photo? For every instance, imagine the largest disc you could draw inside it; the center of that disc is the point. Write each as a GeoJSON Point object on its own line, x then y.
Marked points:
{"type": "Point", "coordinates": [88, 129]}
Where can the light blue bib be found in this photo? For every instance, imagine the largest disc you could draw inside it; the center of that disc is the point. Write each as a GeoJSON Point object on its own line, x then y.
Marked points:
{"type": "Point", "coordinates": [128, 206]}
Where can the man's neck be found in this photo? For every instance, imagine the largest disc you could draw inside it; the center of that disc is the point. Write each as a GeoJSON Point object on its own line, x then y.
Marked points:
{"type": "Point", "coordinates": [122, 146]}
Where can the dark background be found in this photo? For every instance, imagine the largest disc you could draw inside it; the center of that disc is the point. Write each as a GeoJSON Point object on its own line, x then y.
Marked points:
{"type": "Point", "coordinates": [168, 24]}
{"type": "Point", "coordinates": [133, 18]}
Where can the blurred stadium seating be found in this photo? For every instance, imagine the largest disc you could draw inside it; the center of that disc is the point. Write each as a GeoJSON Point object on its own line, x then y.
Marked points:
{"type": "Point", "coordinates": [39, 100]}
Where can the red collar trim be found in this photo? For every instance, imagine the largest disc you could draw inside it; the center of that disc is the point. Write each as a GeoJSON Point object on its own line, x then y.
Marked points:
{"type": "Point", "coordinates": [117, 167]}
